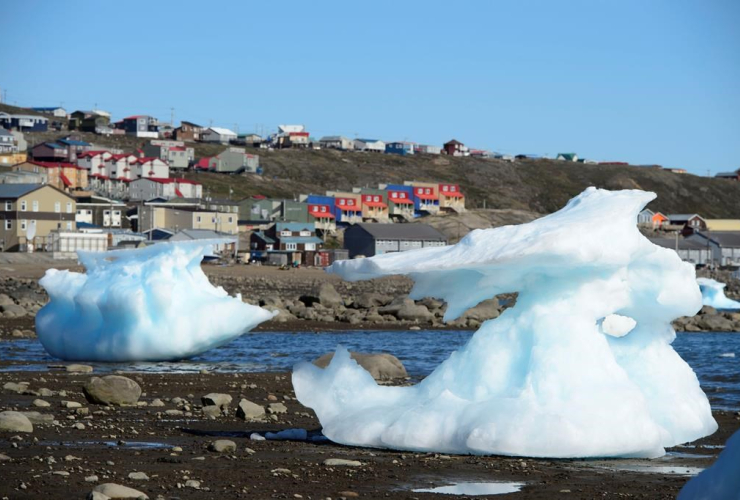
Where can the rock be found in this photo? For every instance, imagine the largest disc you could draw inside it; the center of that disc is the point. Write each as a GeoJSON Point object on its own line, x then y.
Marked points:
{"type": "Point", "coordinates": [173, 413]}
{"type": "Point", "coordinates": [340, 462]}
{"type": "Point", "coordinates": [348, 494]}
{"type": "Point", "coordinates": [714, 323]}
{"type": "Point", "coordinates": [91, 479]}
{"type": "Point", "coordinates": [488, 309]}
{"type": "Point", "coordinates": [329, 297]}
{"type": "Point", "coordinates": [37, 418]}
{"type": "Point", "coordinates": [41, 403]}
{"type": "Point", "coordinates": [71, 404]}
{"type": "Point", "coordinates": [45, 393]}
{"type": "Point", "coordinates": [5, 300]}
{"type": "Point", "coordinates": [60, 473]}
{"type": "Point", "coordinates": [112, 390]}
{"type": "Point", "coordinates": [157, 402]}
{"type": "Point", "coordinates": [250, 411]}
{"type": "Point", "coordinates": [96, 495]}
{"type": "Point", "coordinates": [13, 311]}
{"type": "Point", "coordinates": [414, 312]}
{"type": "Point", "coordinates": [223, 446]}
{"type": "Point", "coordinates": [707, 310]}
{"type": "Point", "coordinates": [192, 483]}
{"type": "Point", "coordinates": [16, 387]}
{"type": "Point", "coordinates": [369, 300]}
{"type": "Point", "coordinates": [13, 421]}
{"type": "Point", "coordinates": [215, 399]}
{"type": "Point", "coordinates": [283, 316]}
{"type": "Point", "coordinates": [381, 366]}
{"type": "Point", "coordinates": [212, 411]}
{"type": "Point", "coordinates": [79, 426]}
{"type": "Point", "coordinates": [78, 368]}
{"type": "Point", "coordinates": [5, 458]}
{"type": "Point", "coordinates": [138, 476]}
{"type": "Point", "coordinates": [117, 491]}
{"type": "Point", "coordinates": [275, 408]}
{"type": "Point", "coordinates": [272, 300]}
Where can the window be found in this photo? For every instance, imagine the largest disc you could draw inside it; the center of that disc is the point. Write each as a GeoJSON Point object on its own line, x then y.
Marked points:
{"type": "Point", "coordinates": [106, 213]}
{"type": "Point", "coordinates": [8, 206]}
{"type": "Point", "coordinates": [291, 246]}
{"type": "Point", "coordinates": [445, 188]}
{"type": "Point", "coordinates": [231, 219]}
{"type": "Point", "coordinates": [89, 212]}
{"type": "Point", "coordinates": [428, 191]}
{"type": "Point", "coordinates": [8, 224]}
{"type": "Point", "coordinates": [350, 202]}
{"type": "Point", "coordinates": [394, 195]}
{"type": "Point", "coordinates": [377, 198]}
{"type": "Point", "coordinates": [24, 206]}
{"type": "Point", "coordinates": [197, 218]}
{"type": "Point", "coordinates": [310, 246]}
{"type": "Point", "coordinates": [69, 226]}
{"type": "Point", "coordinates": [117, 213]}
{"type": "Point", "coordinates": [285, 233]}
{"type": "Point", "coordinates": [57, 207]}
{"type": "Point", "coordinates": [24, 224]}
{"type": "Point", "coordinates": [35, 204]}
{"type": "Point", "coordinates": [323, 209]}
{"type": "Point", "coordinates": [305, 233]}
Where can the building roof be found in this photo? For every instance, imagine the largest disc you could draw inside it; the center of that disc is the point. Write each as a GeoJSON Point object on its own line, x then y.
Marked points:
{"type": "Point", "coordinates": [301, 239]}
{"type": "Point", "coordinates": [168, 180]}
{"type": "Point", "coordinates": [683, 244]}
{"type": "Point", "coordinates": [454, 142]}
{"type": "Point", "coordinates": [5, 132]}
{"type": "Point", "coordinates": [725, 239]}
{"type": "Point", "coordinates": [295, 226]}
{"type": "Point", "coordinates": [18, 190]}
{"type": "Point", "coordinates": [199, 234]}
{"type": "Point", "coordinates": [682, 217]}
{"type": "Point", "coordinates": [49, 164]}
{"type": "Point", "coordinates": [261, 235]}
{"type": "Point", "coordinates": [222, 131]}
{"type": "Point", "coordinates": [73, 142]}
{"type": "Point", "coordinates": [369, 140]}
{"type": "Point", "coordinates": [419, 232]}
{"type": "Point", "coordinates": [333, 138]}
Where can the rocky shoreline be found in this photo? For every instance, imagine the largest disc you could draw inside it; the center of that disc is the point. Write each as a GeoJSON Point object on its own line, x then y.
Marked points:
{"type": "Point", "coordinates": [312, 301]}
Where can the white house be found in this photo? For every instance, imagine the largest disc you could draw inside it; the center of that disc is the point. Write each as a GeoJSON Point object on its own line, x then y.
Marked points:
{"type": "Point", "coordinates": [217, 134]}
{"type": "Point", "coordinates": [336, 142]}
{"type": "Point", "coordinates": [146, 189]}
{"type": "Point", "coordinates": [370, 145]}
{"type": "Point", "coordinates": [428, 149]}
{"type": "Point", "coordinates": [151, 167]}
{"type": "Point", "coordinates": [93, 160]}
{"type": "Point", "coordinates": [54, 111]}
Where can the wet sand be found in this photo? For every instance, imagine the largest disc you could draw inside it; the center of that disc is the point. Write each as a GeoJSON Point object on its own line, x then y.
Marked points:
{"type": "Point", "coordinates": [120, 440]}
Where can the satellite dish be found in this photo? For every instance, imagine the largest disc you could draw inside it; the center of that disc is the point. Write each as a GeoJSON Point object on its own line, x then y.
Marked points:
{"type": "Point", "coordinates": [31, 232]}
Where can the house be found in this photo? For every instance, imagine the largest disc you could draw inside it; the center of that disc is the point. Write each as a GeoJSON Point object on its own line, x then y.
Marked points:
{"type": "Point", "coordinates": [676, 170]}
{"type": "Point", "coordinates": [288, 129]}
{"type": "Point", "coordinates": [648, 218]}
{"type": "Point", "coordinates": [733, 176]}
{"type": "Point", "coordinates": [372, 145]}
{"type": "Point", "coordinates": [217, 134]}
{"type": "Point", "coordinates": [8, 142]}
{"type": "Point", "coordinates": [89, 121]}
{"type": "Point", "coordinates": [567, 157]}
{"type": "Point", "coordinates": [22, 177]}
{"type": "Point", "coordinates": [399, 148]}
{"type": "Point", "coordinates": [725, 246]}
{"type": "Point", "coordinates": [101, 212]}
{"type": "Point", "coordinates": [225, 247]}
{"type": "Point", "coordinates": [451, 198]}
{"type": "Point", "coordinates": [174, 153]}
{"type": "Point", "coordinates": [175, 218]}
{"type": "Point", "coordinates": [428, 149]}
{"type": "Point", "coordinates": [480, 153]}
{"type": "Point", "coordinates": [24, 123]}
{"type": "Point", "coordinates": [336, 142]}
{"type": "Point", "coordinates": [94, 161]}
{"type": "Point", "coordinates": [250, 140]}
{"type": "Point", "coordinates": [75, 147]}
{"type": "Point", "coordinates": [455, 148]}
{"type": "Point", "coordinates": [688, 250]}
{"type": "Point", "coordinates": [715, 225]}
{"type": "Point", "coordinates": [322, 216]}
{"type": "Point", "coordinates": [290, 242]}
{"type": "Point", "coordinates": [425, 196]}
{"type": "Point", "coordinates": [367, 240]}
{"type": "Point", "coordinates": [293, 140]}
{"type": "Point", "coordinates": [235, 161]}
{"type": "Point", "coordinates": [153, 187]}
{"type": "Point", "coordinates": [260, 208]}
{"type": "Point", "coordinates": [29, 212]}
{"type": "Point", "coordinates": [221, 205]}
{"type": "Point", "coordinates": [20, 141]}
{"type": "Point", "coordinates": [347, 207]}
{"type": "Point", "coordinates": [63, 176]}
{"type": "Point", "coordinates": [188, 131]}
{"type": "Point", "coordinates": [57, 111]}
{"type": "Point", "coordinates": [50, 151]}
{"type": "Point", "coordinates": [400, 202]}
{"type": "Point", "coordinates": [688, 222]}
{"type": "Point", "coordinates": [140, 126]}
{"type": "Point", "coordinates": [150, 166]}
{"type": "Point", "coordinates": [374, 205]}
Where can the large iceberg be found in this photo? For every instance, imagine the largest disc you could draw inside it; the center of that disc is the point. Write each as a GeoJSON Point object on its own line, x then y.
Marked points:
{"type": "Point", "coordinates": [713, 294]}
{"type": "Point", "coordinates": [149, 304]}
{"type": "Point", "coordinates": [581, 366]}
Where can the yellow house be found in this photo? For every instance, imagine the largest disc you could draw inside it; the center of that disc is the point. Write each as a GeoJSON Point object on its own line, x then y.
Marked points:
{"type": "Point", "coordinates": [177, 218]}
{"type": "Point", "coordinates": [723, 224]}
{"type": "Point", "coordinates": [65, 176]}
{"type": "Point", "coordinates": [29, 212]}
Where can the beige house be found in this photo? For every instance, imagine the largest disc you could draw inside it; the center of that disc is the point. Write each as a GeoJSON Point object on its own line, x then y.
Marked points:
{"type": "Point", "coordinates": [179, 218]}
{"type": "Point", "coordinates": [29, 212]}
{"type": "Point", "coordinates": [65, 176]}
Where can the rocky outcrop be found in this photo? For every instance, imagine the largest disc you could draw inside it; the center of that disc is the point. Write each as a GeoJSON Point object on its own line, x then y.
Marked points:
{"type": "Point", "coordinates": [382, 366]}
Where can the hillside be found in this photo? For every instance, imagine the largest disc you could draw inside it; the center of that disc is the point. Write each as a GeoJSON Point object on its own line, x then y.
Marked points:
{"type": "Point", "coordinates": [540, 186]}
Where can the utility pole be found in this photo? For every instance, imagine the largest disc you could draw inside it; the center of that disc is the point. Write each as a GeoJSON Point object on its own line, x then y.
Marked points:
{"type": "Point", "coordinates": [172, 117]}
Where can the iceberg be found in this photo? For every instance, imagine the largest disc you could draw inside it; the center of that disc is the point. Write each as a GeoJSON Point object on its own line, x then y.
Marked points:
{"type": "Point", "coordinates": [581, 366]}
{"type": "Point", "coordinates": [148, 304]}
{"type": "Point", "coordinates": [721, 480]}
{"type": "Point", "coordinates": [713, 294]}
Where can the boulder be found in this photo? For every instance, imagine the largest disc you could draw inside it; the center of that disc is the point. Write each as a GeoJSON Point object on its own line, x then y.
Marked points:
{"type": "Point", "coordinates": [272, 300]}
{"type": "Point", "coordinates": [112, 390]}
{"type": "Point", "coordinates": [14, 421]}
{"type": "Point", "coordinates": [216, 399]}
{"type": "Point", "coordinates": [250, 411]}
{"type": "Point", "coordinates": [79, 368]}
{"type": "Point", "coordinates": [223, 446]}
{"type": "Point", "coordinates": [707, 310]}
{"type": "Point", "coordinates": [715, 323]}
{"type": "Point", "coordinates": [117, 491]}
{"type": "Point", "coordinates": [13, 311]}
{"type": "Point", "coordinates": [414, 312]}
{"type": "Point", "coordinates": [212, 411]}
{"type": "Point", "coordinates": [329, 297]}
{"type": "Point", "coordinates": [37, 418]}
{"type": "Point", "coordinates": [488, 309]}
{"type": "Point", "coordinates": [381, 366]}
{"type": "Point", "coordinates": [368, 300]}
{"type": "Point", "coordinates": [18, 387]}
{"type": "Point", "coordinates": [395, 306]}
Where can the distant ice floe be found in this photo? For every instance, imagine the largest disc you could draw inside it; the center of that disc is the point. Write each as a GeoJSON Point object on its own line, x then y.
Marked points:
{"type": "Point", "coordinates": [582, 366]}
{"type": "Point", "coordinates": [149, 304]}
{"type": "Point", "coordinates": [721, 480]}
{"type": "Point", "coordinates": [713, 294]}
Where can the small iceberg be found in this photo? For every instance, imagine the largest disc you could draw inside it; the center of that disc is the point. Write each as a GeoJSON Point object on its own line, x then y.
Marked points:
{"type": "Point", "coordinates": [713, 294]}
{"type": "Point", "coordinates": [147, 304]}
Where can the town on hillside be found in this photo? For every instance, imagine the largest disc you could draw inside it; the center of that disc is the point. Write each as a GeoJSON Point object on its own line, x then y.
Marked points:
{"type": "Point", "coordinates": [69, 194]}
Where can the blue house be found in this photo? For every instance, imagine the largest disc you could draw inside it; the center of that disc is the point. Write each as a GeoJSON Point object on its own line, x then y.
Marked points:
{"type": "Point", "coordinates": [24, 123]}
{"type": "Point", "coordinates": [318, 199]}
{"type": "Point", "coordinates": [399, 148]}
{"type": "Point", "coordinates": [410, 194]}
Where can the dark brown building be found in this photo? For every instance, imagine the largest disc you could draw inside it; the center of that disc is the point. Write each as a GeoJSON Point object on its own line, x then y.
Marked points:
{"type": "Point", "coordinates": [188, 131]}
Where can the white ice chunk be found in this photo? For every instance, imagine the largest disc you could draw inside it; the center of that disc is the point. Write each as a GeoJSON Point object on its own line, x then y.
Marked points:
{"type": "Point", "coordinates": [618, 326]}
{"type": "Point", "coordinates": [713, 294]}
{"type": "Point", "coordinates": [149, 304]}
{"type": "Point", "coordinates": [542, 379]}
{"type": "Point", "coordinates": [721, 480]}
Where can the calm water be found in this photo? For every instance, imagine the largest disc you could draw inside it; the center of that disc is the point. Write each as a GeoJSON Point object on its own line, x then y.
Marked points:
{"type": "Point", "coordinates": [714, 356]}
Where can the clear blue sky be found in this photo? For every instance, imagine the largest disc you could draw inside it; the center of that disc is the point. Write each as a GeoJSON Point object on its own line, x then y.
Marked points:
{"type": "Point", "coordinates": [639, 81]}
